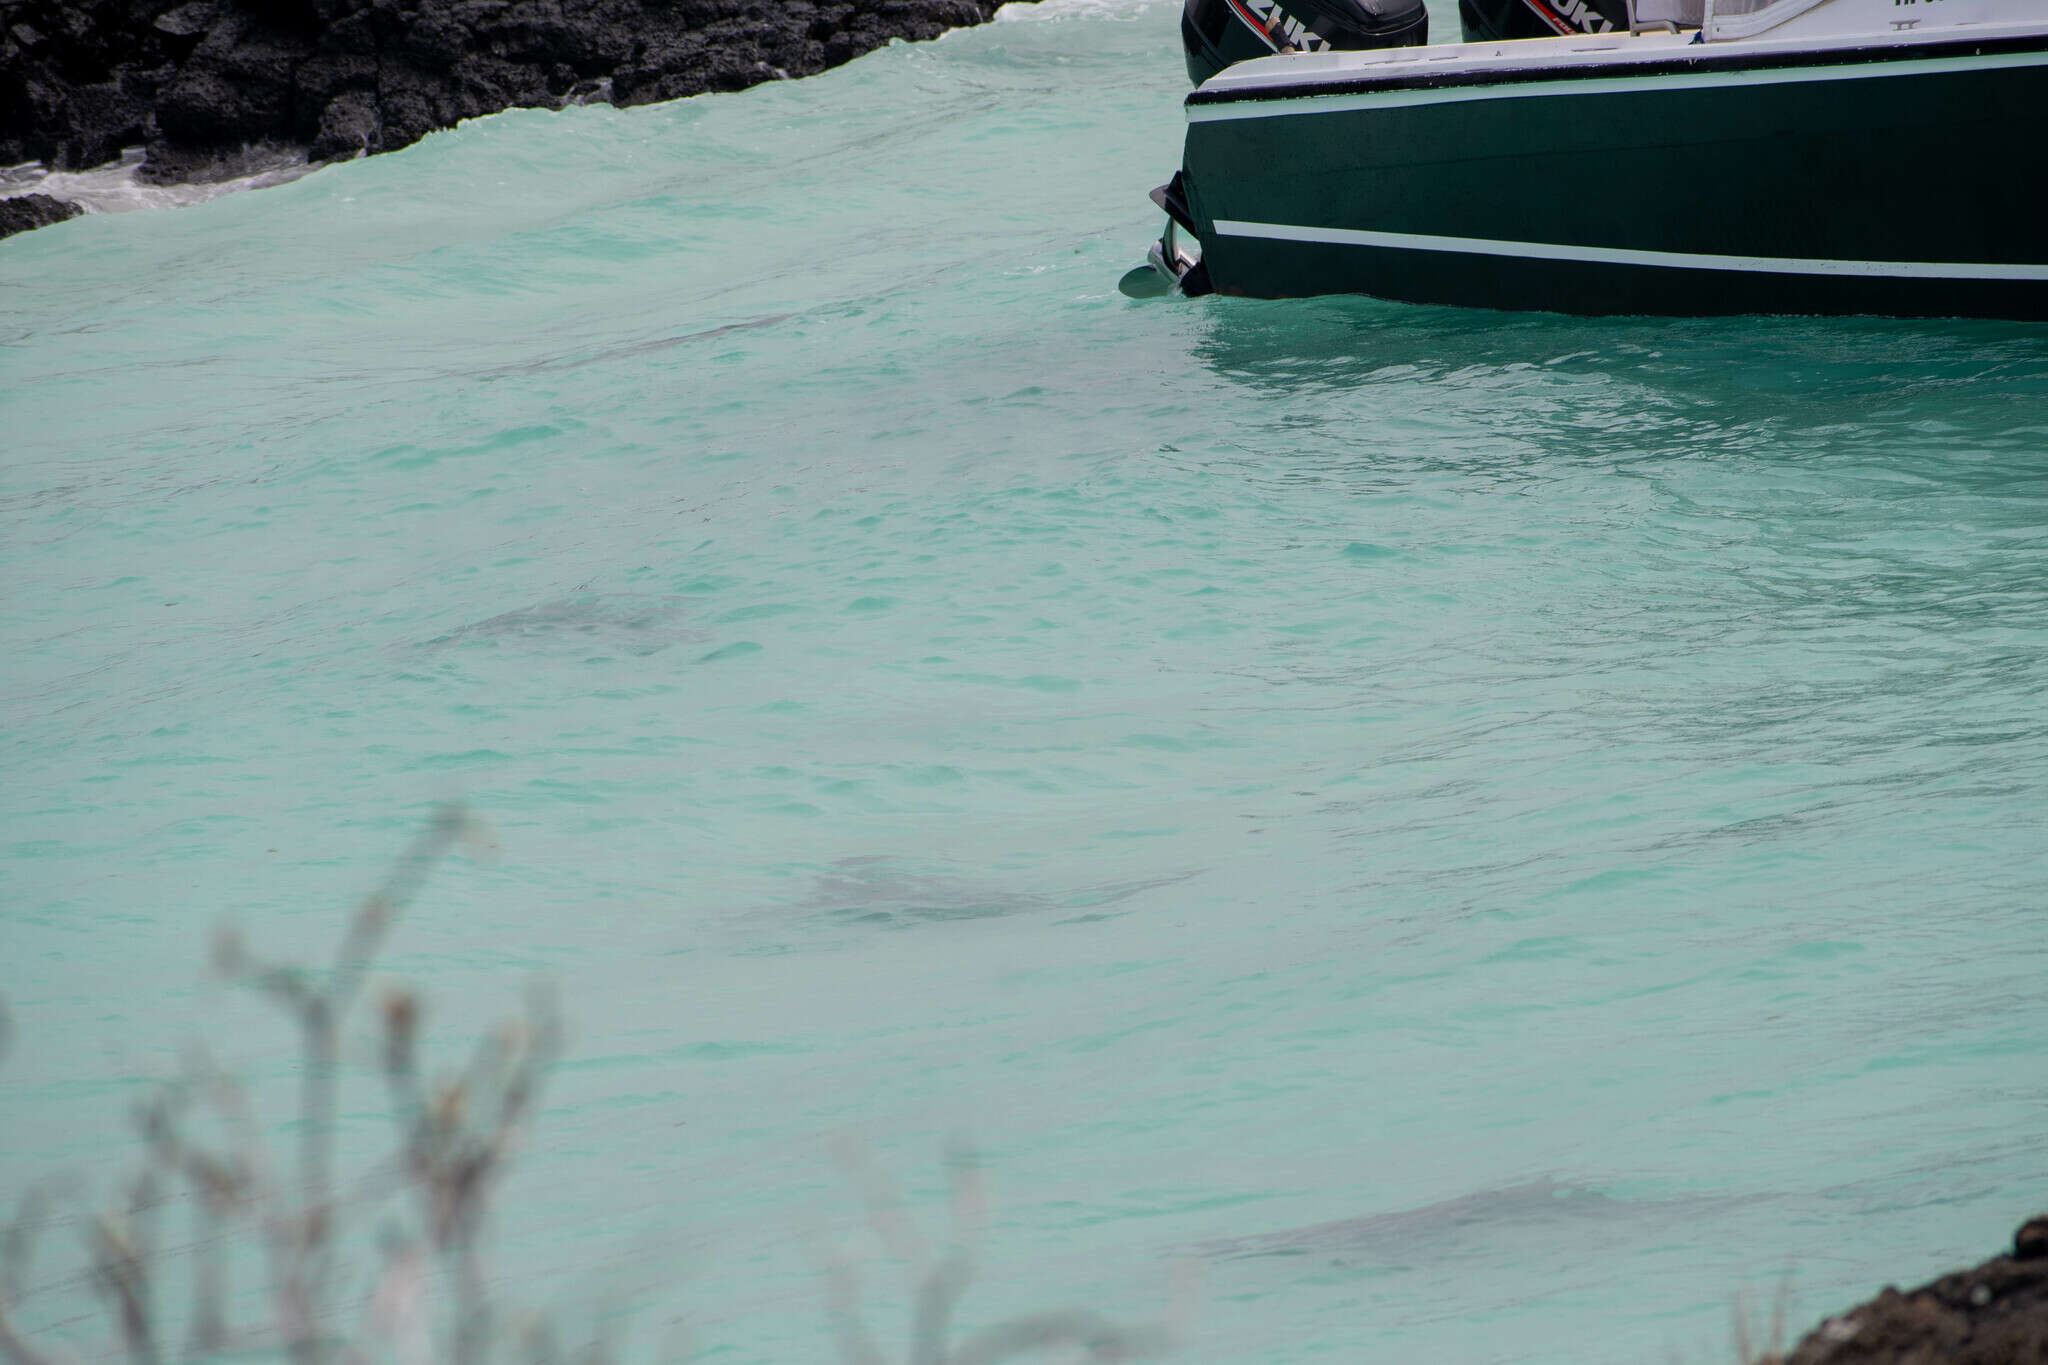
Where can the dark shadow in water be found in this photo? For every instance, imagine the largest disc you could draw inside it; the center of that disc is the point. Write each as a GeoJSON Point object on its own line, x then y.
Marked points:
{"type": "Point", "coordinates": [1543, 1207]}
{"type": "Point", "coordinates": [884, 891]}
{"type": "Point", "coordinates": [1306, 346]}
{"type": "Point", "coordinates": [628, 349]}
{"type": "Point", "coordinates": [606, 622]}
{"type": "Point", "coordinates": [1508, 388]}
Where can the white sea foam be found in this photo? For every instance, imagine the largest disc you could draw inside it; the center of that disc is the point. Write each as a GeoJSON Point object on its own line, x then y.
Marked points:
{"type": "Point", "coordinates": [116, 186]}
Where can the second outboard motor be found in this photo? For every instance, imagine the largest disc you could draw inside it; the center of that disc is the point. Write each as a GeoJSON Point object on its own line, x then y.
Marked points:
{"type": "Point", "coordinates": [1218, 33]}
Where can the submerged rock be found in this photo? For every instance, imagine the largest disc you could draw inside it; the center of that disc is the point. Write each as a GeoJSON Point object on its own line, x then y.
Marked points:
{"type": "Point", "coordinates": [26, 211]}
{"type": "Point", "coordinates": [198, 81]}
{"type": "Point", "coordinates": [1993, 1314]}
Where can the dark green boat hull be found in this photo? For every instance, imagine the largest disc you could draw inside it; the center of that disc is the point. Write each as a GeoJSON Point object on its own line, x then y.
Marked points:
{"type": "Point", "coordinates": [1910, 183]}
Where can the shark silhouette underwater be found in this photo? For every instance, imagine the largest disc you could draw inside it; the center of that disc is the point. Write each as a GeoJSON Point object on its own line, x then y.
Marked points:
{"type": "Point", "coordinates": [1541, 1211]}
{"type": "Point", "coordinates": [604, 623]}
{"type": "Point", "coordinates": [882, 890]}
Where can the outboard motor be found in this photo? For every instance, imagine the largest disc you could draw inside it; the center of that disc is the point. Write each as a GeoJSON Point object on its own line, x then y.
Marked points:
{"type": "Point", "coordinates": [1218, 33]}
{"type": "Point", "coordinates": [1486, 21]}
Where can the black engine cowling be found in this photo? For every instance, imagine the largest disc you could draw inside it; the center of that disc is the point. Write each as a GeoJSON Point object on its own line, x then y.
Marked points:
{"type": "Point", "coordinates": [1218, 33]}
{"type": "Point", "coordinates": [1487, 20]}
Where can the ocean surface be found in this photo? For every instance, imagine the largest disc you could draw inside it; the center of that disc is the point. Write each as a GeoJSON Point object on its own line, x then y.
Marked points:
{"type": "Point", "coordinates": [1486, 837]}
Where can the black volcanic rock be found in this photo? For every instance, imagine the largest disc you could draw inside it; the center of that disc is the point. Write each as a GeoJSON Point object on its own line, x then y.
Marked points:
{"type": "Point", "coordinates": [26, 211]}
{"type": "Point", "coordinates": [198, 81]}
{"type": "Point", "coordinates": [1992, 1314]}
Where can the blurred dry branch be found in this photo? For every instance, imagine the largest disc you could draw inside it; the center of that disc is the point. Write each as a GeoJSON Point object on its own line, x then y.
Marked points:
{"type": "Point", "coordinates": [937, 1286]}
{"type": "Point", "coordinates": [1769, 1348]}
{"type": "Point", "coordinates": [459, 1135]}
{"type": "Point", "coordinates": [204, 1147]}
{"type": "Point", "coordinates": [454, 1139]}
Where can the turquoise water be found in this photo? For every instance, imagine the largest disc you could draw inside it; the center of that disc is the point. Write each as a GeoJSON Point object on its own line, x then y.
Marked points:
{"type": "Point", "coordinates": [1252, 765]}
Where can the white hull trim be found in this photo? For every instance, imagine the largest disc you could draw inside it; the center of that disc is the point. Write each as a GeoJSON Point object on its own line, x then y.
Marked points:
{"type": "Point", "coordinates": [1597, 255]}
{"type": "Point", "coordinates": [1309, 102]}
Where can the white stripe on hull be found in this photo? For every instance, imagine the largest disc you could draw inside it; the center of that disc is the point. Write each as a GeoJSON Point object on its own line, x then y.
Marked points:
{"type": "Point", "coordinates": [1308, 102]}
{"type": "Point", "coordinates": [1598, 255]}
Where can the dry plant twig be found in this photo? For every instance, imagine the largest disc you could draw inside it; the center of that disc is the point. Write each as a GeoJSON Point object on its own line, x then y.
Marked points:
{"type": "Point", "coordinates": [455, 1139]}
{"type": "Point", "coordinates": [937, 1287]}
{"type": "Point", "coordinates": [1773, 1352]}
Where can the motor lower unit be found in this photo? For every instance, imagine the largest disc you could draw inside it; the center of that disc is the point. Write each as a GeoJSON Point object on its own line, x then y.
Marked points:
{"type": "Point", "coordinates": [1218, 33]}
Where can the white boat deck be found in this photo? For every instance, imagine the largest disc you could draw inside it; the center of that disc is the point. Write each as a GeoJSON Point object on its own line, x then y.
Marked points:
{"type": "Point", "coordinates": [1831, 25]}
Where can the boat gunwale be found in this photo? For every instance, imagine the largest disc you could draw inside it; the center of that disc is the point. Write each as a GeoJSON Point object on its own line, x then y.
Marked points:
{"type": "Point", "coordinates": [1618, 62]}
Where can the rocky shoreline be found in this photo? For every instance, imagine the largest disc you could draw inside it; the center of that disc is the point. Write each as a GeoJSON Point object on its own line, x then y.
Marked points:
{"type": "Point", "coordinates": [1992, 1314]}
{"type": "Point", "coordinates": [199, 83]}
{"type": "Point", "coordinates": [26, 211]}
